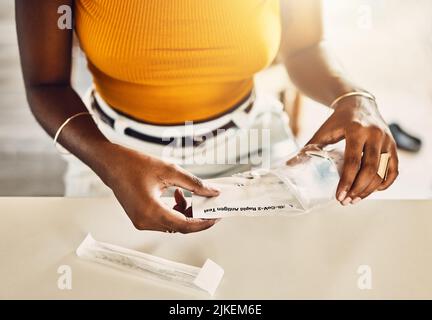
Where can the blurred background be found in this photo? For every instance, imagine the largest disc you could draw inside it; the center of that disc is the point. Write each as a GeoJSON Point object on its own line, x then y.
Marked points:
{"type": "Point", "coordinates": [384, 45]}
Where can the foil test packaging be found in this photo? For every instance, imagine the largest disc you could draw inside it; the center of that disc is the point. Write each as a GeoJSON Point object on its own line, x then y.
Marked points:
{"type": "Point", "coordinates": [307, 181]}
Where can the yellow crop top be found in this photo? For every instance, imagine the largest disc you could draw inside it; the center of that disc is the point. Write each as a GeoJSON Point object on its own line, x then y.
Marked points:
{"type": "Point", "coordinates": [170, 61]}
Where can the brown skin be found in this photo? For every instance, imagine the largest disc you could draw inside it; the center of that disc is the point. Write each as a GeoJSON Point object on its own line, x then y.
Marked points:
{"type": "Point", "coordinates": [138, 180]}
{"type": "Point", "coordinates": [355, 119]}
{"type": "Point", "coordinates": [139, 185]}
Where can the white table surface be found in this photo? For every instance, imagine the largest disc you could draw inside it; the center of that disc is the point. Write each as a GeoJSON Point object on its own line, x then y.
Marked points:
{"type": "Point", "coordinates": [311, 256]}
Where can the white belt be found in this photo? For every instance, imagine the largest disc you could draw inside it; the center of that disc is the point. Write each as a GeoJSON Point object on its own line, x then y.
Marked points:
{"type": "Point", "coordinates": [238, 116]}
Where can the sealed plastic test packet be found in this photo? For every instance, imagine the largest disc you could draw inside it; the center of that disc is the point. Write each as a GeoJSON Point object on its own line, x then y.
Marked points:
{"type": "Point", "coordinates": [159, 270]}
{"type": "Point", "coordinates": [305, 182]}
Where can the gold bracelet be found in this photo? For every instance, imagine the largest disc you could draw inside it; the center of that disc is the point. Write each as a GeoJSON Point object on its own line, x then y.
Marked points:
{"type": "Point", "coordinates": [352, 94]}
{"type": "Point", "coordinates": [59, 130]}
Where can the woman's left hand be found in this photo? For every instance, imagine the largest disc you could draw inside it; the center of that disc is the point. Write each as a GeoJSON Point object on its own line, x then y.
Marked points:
{"type": "Point", "coordinates": [357, 120]}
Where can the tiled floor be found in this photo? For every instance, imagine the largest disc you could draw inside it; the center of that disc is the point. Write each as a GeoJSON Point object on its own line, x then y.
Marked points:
{"type": "Point", "coordinates": [386, 45]}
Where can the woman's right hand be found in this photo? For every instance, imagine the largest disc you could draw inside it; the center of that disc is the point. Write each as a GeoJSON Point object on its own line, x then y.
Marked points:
{"type": "Point", "coordinates": [138, 181]}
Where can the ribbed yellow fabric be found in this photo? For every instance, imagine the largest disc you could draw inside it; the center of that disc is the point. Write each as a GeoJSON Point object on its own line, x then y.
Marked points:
{"type": "Point", "coordinates": [168, 61]}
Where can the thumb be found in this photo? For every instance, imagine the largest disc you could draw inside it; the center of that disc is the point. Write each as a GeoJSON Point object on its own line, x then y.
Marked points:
{"type": "Point", "coordinates": [182, 178]}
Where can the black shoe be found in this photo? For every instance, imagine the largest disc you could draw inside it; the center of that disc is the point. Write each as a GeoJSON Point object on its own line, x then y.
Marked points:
{"type": "Point", "coordinates": [405, 141]}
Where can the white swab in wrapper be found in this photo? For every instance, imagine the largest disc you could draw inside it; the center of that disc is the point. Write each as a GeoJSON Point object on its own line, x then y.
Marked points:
{"type": "Point", "coordinates": [206, 278]}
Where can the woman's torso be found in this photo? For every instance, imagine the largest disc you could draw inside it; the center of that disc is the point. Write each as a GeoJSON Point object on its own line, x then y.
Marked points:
{"type": "Point", "coordinates": [168, 61]}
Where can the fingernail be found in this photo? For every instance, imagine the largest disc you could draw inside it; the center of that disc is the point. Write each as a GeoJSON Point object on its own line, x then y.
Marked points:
{"type": "Point", "coordinates": [217, 220]}
{"type": "Point", "coordinates": [356, 200]}
{"type": "Point", "coordinates": [346, 201]}
{"type": "Point", "coordinates": [342, 195]}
